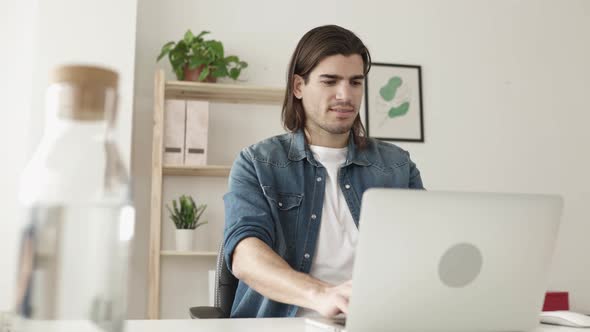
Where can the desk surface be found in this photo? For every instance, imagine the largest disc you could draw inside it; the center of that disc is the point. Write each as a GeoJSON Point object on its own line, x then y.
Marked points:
{"type": "Point", "coordinates": [219, 325]}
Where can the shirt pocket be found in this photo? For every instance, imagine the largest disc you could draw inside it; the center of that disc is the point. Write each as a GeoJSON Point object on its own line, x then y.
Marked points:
{"type": "Point", "coordinates": [395, 176]}
{"type": "Point", "coordinates": [285, 209]}
{"type": "Point", "coordinates": [283, 201]}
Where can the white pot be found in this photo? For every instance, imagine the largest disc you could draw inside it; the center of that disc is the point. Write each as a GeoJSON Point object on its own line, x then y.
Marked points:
{"type": "Point", "coordinates": [184, 239]}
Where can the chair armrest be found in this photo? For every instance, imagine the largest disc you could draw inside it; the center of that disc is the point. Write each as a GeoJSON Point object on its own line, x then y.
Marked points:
{"type": "Point", "coordinates": [207, 312]}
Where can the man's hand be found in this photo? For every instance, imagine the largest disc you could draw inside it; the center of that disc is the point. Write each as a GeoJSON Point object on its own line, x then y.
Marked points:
{"type": "Point", "coordinates": [333, 300]}
{"type": "Point", "coordinates": [256, 264]}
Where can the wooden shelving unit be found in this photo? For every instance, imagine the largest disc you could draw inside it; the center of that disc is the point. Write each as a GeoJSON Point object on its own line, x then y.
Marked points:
{"type": "Point", "coordinates": [212, 92]}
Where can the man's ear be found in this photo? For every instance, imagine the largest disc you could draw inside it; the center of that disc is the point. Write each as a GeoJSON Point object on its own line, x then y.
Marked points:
{"type": "Point", "coordinates": [298, 83]}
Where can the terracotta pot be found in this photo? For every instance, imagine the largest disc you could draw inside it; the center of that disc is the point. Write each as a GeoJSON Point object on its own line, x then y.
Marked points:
{"type": "Point", "coordinates": [193, 75]}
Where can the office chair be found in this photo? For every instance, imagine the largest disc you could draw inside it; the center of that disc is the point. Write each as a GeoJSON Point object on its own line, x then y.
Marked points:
{"type": "Point", "coordinates": [225, 291]}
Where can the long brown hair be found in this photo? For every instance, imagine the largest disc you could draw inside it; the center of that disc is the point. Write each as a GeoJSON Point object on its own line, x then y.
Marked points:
{"type": "Point", "coordinates": [313, 47]}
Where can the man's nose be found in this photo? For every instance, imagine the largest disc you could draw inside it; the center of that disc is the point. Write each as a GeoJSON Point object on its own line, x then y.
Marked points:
{"type": "Point", "coordinates": [344, 91]}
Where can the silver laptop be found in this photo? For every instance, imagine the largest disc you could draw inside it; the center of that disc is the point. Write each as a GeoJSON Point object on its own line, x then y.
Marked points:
{"type": "Point", "coordinates": [450, 261]}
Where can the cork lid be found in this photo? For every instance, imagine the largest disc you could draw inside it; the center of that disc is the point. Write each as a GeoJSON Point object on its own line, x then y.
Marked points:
{"type": "Point", "coordinates": [85, 75]}
{"type": "Point", "coordinates": [90, 94]}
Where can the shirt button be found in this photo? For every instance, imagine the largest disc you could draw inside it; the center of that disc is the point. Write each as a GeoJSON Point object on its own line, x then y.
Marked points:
{"type": "Point", "coordinates": [313, 216]}
{"type": "Point", "coordinates": [347, 186]}
{"type": "Point", "coordinates": [306, 256]}
{"type": "Point", "coordinates": [319, 179]}
{"type": "Point", "coordinates": [280, 204]}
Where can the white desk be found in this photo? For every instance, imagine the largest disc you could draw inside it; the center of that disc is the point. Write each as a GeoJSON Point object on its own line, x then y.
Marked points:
{"type": "Point", "coordinates": [221, 325]}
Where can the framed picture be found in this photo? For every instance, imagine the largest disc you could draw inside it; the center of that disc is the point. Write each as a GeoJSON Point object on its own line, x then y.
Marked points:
{"type": "Point", "coordinates": [393, 102]}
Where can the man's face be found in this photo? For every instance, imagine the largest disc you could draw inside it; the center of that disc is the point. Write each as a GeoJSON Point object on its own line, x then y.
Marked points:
{"type": "Point", "coordinates": [332, 96]}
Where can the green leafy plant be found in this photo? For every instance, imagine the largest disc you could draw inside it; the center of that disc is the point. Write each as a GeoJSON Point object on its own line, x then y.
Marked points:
{"type": "Point", "coordinates": [193, 51]}
{"type": "Point", "coordinates": [185, 214]}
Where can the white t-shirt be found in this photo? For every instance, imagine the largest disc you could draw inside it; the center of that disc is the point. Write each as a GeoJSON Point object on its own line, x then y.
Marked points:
{"type": "Point", "coordinates": [334, 254]}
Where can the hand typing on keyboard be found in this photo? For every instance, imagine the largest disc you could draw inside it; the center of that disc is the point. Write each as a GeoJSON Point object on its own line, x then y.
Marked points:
{"type": "Point", "coordinates": [333, 300]}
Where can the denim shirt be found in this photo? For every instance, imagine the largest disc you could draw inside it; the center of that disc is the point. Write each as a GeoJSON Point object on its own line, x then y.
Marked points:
{"type": "Point", "coordinates": [276, 194]}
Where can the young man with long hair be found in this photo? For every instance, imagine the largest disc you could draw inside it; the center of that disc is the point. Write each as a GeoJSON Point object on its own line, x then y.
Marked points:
{"type": "Point", "coordinates": [294, 200]}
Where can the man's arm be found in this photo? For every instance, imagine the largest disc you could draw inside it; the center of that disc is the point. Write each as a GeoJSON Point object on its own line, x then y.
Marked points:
{"type": "Point", "coordinates": [266, 272]}
{"type": "Point", "coordinates": [249, 238]}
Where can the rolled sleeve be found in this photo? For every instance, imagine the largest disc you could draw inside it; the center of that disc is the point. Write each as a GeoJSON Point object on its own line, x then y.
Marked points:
{"type": "Point", "coordinates": [247, 213]}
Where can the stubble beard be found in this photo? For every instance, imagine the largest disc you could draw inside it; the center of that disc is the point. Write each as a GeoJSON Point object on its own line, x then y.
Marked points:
{"type": "Point", "coordinates": [336, 129]}
{"type": "Point", "coordinates": [332, 128]}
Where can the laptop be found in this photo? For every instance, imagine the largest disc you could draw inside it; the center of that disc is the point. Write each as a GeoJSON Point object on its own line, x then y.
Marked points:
{"type": "Point", "coordinates": [450, 261]}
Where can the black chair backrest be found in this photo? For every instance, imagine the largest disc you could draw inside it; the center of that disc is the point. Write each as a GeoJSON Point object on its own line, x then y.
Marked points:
{"type": "Point", "coordinates": [225, 284]}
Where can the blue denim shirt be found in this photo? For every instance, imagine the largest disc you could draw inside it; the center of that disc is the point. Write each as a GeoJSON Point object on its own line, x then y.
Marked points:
{"type": "Point", "coordinates": [276, 185]}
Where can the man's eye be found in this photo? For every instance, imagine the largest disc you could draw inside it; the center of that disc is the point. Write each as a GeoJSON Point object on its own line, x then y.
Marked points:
{"type": "Point", "coordinates": [329, 82]}
{"type": "Point", "coordinates": [357, 83]}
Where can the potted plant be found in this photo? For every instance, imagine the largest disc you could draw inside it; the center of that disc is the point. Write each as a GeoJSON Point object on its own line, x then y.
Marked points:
{"type": "Point", "coordinates": [196, 59]}
{"type": "Point", "coordinates": [185, 214]}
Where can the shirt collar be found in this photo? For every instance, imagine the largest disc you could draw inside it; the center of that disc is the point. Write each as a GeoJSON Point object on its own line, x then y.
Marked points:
{"type": "Point", "coordinates": [300, 150]}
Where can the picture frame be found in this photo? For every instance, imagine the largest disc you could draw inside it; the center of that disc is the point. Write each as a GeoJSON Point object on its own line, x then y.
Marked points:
{"type": "Point", "coordinates": [393, 102]}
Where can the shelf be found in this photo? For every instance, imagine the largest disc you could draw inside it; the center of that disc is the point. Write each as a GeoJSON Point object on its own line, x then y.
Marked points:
{"type": "Point", "coordinates": [210, 170]}
{"type": "Point", "coordinates": [188, 253]}
{"type": "Point", "coordinates": [224, 93]}
{"type": "Point", "coordinates": [233, 93]}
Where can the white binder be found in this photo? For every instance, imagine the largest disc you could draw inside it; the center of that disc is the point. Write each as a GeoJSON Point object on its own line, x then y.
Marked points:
{"type": "Point", "coordinates": [174, 132]}
{"type": "Point", "coordinates": [197, 123]}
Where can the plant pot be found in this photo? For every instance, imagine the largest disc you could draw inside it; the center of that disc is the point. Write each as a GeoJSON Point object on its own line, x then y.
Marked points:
{"type": "Point", "coordinates": [184, 239]}
{"type": "Point", "coordinates": [193, 75]}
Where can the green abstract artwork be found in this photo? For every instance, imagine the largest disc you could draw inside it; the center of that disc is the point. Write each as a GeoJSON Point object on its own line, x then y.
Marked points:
{"type": "Point", "coordinates": [388, 93]}
{"type": "Point", "coordinates": [393, 102]}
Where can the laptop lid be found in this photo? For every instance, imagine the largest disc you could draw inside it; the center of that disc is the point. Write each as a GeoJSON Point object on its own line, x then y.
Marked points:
{"type": "Point", "coordinates": [451, 261]}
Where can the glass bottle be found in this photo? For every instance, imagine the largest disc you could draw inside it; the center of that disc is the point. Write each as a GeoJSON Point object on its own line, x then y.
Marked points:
{"type": "Point", "coordinates": [75, 243]}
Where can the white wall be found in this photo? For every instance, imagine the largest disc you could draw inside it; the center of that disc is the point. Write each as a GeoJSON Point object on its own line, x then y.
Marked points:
{"type": "Point", "coordinates": [87, 32]}
{"type": "Point", "coordinates": [38, 36]}
{"type": "Point", "coordinates": [15, 93]}
{"type": "Point", "coordinates": [504, 83]}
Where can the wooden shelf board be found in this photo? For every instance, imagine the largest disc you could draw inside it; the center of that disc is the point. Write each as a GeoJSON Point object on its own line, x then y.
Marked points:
{"type": "Point", "coordinates": [225, 93]}
{"type": "Point", "coordinates": [188, 253]}
{"type": "Point", "coordinates": [209, 170]}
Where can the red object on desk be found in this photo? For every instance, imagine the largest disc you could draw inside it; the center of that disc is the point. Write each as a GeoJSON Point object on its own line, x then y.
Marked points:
{"type": "Point", "coordinates": [556, 301]}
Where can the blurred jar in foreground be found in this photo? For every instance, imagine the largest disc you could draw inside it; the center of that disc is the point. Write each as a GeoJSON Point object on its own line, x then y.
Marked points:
{"type": "Point", "coordinates": [75, 245]}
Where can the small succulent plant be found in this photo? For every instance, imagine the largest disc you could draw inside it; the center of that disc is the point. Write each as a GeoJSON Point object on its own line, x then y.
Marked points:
{"type": "Point", "coordinates": [186, 214]}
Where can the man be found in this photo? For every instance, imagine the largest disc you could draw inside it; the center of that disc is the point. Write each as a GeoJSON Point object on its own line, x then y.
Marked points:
{"type": "Point", "coordinates": [293, 204]}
